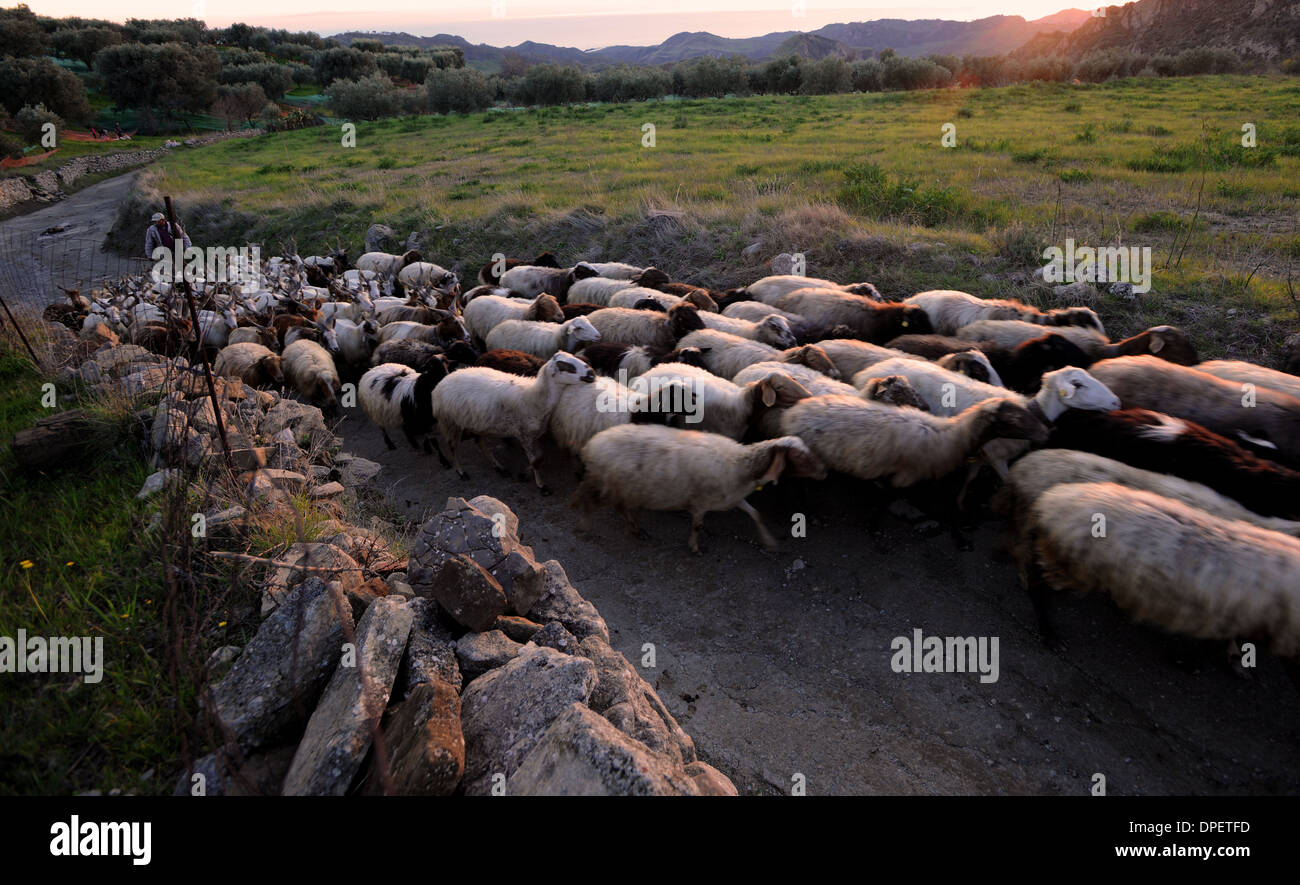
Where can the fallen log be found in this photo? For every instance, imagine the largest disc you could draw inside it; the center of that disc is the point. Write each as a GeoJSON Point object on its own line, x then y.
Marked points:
{"type": "Point", "coordinates": [58, 439]}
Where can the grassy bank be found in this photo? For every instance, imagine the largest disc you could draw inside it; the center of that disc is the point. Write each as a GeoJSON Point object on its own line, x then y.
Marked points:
{"type": "Point", "coordinates": [860, 183]}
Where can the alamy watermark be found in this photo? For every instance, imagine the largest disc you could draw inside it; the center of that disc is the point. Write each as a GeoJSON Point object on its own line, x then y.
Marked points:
{"type": "Point", "coordinates": [945, 654]}
{"type": "Point", "coordinates": [1107, 264]}
{"type": "Point", "coordinates": [213, 264]}
{"type": "Point", "coordinates": [55, 654]}
{"type": "Point", "coordinates": [675, 396]}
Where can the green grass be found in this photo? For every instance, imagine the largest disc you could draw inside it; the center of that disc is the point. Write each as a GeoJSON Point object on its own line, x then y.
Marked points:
{"type": "Point", "coordinates": [75, 564]}
{"type": "Point", "coordinates": [790, 171]}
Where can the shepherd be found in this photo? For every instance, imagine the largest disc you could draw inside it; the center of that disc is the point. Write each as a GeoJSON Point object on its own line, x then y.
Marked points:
{"type": "Point", "coordinates": [159, 235]}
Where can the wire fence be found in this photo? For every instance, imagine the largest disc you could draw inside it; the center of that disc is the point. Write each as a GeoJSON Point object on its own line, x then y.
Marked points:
{"type": "Point", "coordinates": [37, 267]}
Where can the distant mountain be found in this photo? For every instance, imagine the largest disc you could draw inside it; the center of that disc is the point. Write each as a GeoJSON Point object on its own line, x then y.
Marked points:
{"type": "Point", "coordinates": [995, 35]}
{"type": "Point", "coordinates": [1264, 29]}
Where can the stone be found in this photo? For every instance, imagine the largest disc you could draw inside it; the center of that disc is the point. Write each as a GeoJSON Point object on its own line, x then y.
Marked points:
{"type": "Point", "coordinates": [553, 635]}
{"type": "Point", "coordinates": [340, 731]}
{"type": "Point", "coordinates": [328, 490]}
{"type": "Point", "coordinates": [380, 238]}
{"type": "Point", "coordinates": [517, 628]}
{"type": "Point", "coordinates": [561, 602]}
{"type": "Point", "coordinates": [468, 593]}
{"type": "Point", "coordinates": [274, 684]}
{"type": "Point", "coordinates": [113, 359]}
{"type": "Point", "coordinates": [285, 480]}
{"type": "Point", "coordinates": [631, 704]}
{"type": "Point", "coordinates": [156, 482]}
{"type": "Point", "coordinates": [400, 588]}
{"type": "Point", "coordinates": [479, 652]}
{"type": "Point", "coordinates": [581, 754]}
{"type": "Point", "coordinates": [783, 263]}
{"type": "Point", "coordinates": [431, 650]}
{"type": "Point", "coordinates": [226, 520]}
{"type": "Point", "coordinates": [752, 250]}
{"type": "Point", "coordinates": [485, 530]}
{"type": "Point", "coordinates": [257, 774]}
{"type": "Point", "coordinates": [150, 380]}
{"type": "Point", "coordinates": [306, 423]}
{"type": "Point", "coordinates": [333, 565]}
{"type": "Point", "coordinates": [505, 712]}
{"type": "Point", "coordinates": [220, 661]}
{"type": "Point", "coordinates": [1123, 290]}
{"type": "Point", "coordinates": [361, 595]}
{"type": "Point", "coordinates": [709, 781]}
{"type": "Point", "coordinates": [359, 473]}
{"type": "Point", "coordinates": [424, 744]}
{"type": "Point", "coordinates": [1076, 294]}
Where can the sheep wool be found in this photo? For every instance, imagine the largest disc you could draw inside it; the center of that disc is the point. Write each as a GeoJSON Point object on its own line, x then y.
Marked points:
{"type": "Point", "coordinates": [1170, 564]}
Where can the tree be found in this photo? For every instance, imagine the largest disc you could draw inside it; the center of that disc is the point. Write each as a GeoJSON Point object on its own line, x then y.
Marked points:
{"type": "Point", "coordinates": [165, 77]}
{"type": "Point", "coordinates": [21, 34]}
{"type": "Point", "coordinates": [81, 44]}
{"type": "Point", "coordinates": [30, 122]}
{"type": "Point", "coordinates": [274, 79]}
{"type": "Point", "coordinates": [369, 98]}
{"type": "Point", "coordinates": [458, 90]}
{"type": "Point", "coordinates": [827, 77]}
{"type": "Point", "coordinates": [239, 101]}
{"type": "Point", "coordinates": [36, 81]}
{"type": "Point", "coordinates": [513, 65]}
{"type": "Point", "coordinates": [342, 64]}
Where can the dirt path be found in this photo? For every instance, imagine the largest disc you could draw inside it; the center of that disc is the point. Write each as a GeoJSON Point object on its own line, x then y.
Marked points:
{"type": "Point", "coordinates": [779, 663]}
{"type": "Point", "coordinates": [37, 262]}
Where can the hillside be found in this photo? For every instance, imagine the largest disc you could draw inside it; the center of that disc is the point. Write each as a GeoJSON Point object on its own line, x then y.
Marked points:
{"type": "Point", "coordinates": [995, 35]}
{"type": "Point", "coordinates": [1263, 29]}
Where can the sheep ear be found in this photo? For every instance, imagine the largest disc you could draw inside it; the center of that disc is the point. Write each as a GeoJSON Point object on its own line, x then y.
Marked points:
{"type": "Point", "coordinates": [1065, 392]}
{"type": "Point", "coordinates": [1157, 343]}
{"type": "Point", "coordinates": [769, 392]}
{"type": "Point", "coordinates": [774, 469]}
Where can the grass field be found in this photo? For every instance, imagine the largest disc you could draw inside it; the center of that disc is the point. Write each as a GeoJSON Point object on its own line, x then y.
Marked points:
{"type": "Point", "coordinates": [1138, 162]}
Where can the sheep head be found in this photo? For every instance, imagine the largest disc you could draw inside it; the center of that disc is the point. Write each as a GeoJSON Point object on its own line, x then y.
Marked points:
{"type": "Point", "coordinates": [578, 331]}
{"type": "Point", "coordinates": [652, 278]}
{"type": "Point", "coordinates": [1171, 344]}
{"type": "Point", "coordinates": [269, 366]}
{"type": "Point", "coordinates": [775, 330]}
{"type": "Point", "coordinates": [1073, 388]}
{"type": "Point", "coordinates": [815, 358]}
{"type": "Point", "coordinates": [569, 369]}
{"type": "Point", "coordinates": [1008, 419]}
{"type": "Point", "coordinates": [683, 319]}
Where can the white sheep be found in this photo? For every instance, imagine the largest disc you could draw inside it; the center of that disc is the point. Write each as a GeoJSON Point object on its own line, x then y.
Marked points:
{"type": "Point", "coordinates": [530, 280]}
{"type": "Point", "coordinates": [615, 270]}
{"type": "Point", "coordinates": [623, 325]}
{"type": "Point", "coordinates": [542, 339]}
{"type": "Point", "coordinates": [754, 311]}
{"type": "Point", "coordinates": [1167, 563]}
{"type": "Point", "coordinates": [356, 340]}
{"type": "Point", "coordinates": [723, 407]}
{"type": "Point", "coordinates": [769, 289]}
{"type": "Point", "coordinates": [490, 403]}
{"type": "Point", "coordinates": [597, 290]}
{"type": "Point", "coordinates": [309, 368]}
{"type": "Point", "coordinates": [383, 265]}
{"type": "Point", "coordinates": [663, 468]}
{"type": "Point", "coordinates": [851, 357]}
{"type": "Point", "coordinates": [949, 310]}
{"type": "Point", "coordinates": [1039, 471]}
{"type": "Point", "coordinates": [872, 440]}
{"type": "Point", "coordinates": [773, 330]}
{"type": "Point", "coordinates": [1167, 342]}
{"type": "Point", "coordinates": [1249, 373]}
{"type": "Point", "coordinates": [486, 312]}
{"type": "Point", "coordinates": [427, 275]}
{"type": "Point", "coordinates": [251, 363]}
{"type": "Point", "coordinates": [397, 397]}
{"type": "Point", "coordinates": [632, 295]}
{"type": "Point", "coordinates": [586, 409]}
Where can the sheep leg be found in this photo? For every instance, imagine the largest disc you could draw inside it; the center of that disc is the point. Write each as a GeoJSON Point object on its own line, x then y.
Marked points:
{"type": "Point", "coordinates": [451, 436]}
{"type": "Point", "coordinates": [534, 452]}
{"type": "Point", "coordinates": [693, 541]}
{"type": "Point", "coordinates": [768, 541]}
{"type": "Point", "coordinates": [1038, 589]}
{"type": "Point", "coordinates": [492, 459]}
{"type": "Point", "coordinates": [388, 442]}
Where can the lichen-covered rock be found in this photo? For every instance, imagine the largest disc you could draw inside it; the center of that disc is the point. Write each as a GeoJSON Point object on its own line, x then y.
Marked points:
{"type": "Point", "coordinates": [273, 686]}
{"type": "Point", "coordinates": [479, 652]}
{"type": "Point", "coordinates": [467, 592]}
{"type": "Point", "coordinates": [431, 650]}
{"type": "Point", "coordinates": [581, 754]}
{"type": "Point", "coordinates": [487, 532]}
{"type": "Point", "coordinates": [304, 559]}
{"type": "Point", "coordinates": [505, 711]}
{"type": "Point", "coordinates": [424, 744]}
{"type": "Point", "coordinates": [631, 704]}
{"type": "Point", "coordinates": [561, 602]}
{"type": "Point", "coordinates": [340, 731]}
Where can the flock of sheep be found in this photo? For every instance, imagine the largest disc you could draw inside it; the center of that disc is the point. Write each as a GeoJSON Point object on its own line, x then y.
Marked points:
{"type": "Point", "coordinates": [1128, 467]}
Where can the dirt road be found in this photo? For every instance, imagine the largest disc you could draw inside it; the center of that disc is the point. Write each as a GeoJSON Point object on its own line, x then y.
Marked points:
{"type": "Point", "coordinates": [779, 664]}
{"type": "Point", "coordinates": [37, 262]}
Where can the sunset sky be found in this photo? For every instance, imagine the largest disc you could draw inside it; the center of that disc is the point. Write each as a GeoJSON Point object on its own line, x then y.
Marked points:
{"type": "Point", "coordinates": [585, 24]}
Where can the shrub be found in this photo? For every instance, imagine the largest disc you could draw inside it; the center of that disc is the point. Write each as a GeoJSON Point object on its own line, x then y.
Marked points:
{"type": "Point", "coordinates": [10, 145]}
{"type": "Point", "coordinates": [30, 122]}
{"type": "Point", "coordinates": [368, 98]}
{"type": "Point", "coordinates": [459, 90]}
